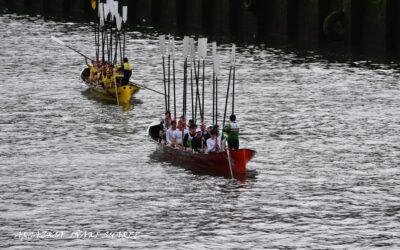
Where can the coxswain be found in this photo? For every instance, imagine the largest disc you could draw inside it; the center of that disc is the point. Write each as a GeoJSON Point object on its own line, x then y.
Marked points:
{"type": "Point", "coordinates": [127, 68]}
{"type": "Point", "coordinates": [232, 130]}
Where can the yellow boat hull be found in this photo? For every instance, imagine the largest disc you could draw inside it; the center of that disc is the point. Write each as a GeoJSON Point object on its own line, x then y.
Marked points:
{"type": "Point", "coordinates": [122, 96]}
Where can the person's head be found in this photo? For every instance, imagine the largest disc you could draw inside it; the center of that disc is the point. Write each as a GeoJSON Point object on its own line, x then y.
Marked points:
{"type": "Point", "coordinates": [181, 126]}
{"type": "Point", "coordinates": [167, 120]}
{"type": "Point", "coordinates": [216, 129]}
{"type": "Point", "coordinates": [173, 124]}
{"type": "Point", "coordinates": [232, 118]}
{"type": "Point", "coordinates": [209, 128]}
{"type": "Point", "coordinates": [198, 133]}
{"type": "Point", "coordinates": [167, 114]}
{"type": "Point", "coordinates": [182, 119]}
{"type": "Point", "coordinates": [192, 129]}
{"type": "Point", "coordinates": [203, 127]}
{"type": "Point", "coordinates": [190, 122]}
{"type": "Point", "coordinates": [213, 133]}
{"type": "Point", "coordinates": [125, 60]}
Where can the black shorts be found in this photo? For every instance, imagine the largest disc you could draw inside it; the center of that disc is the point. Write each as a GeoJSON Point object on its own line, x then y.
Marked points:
{"type": "Point", "coordinates": [233, 144]}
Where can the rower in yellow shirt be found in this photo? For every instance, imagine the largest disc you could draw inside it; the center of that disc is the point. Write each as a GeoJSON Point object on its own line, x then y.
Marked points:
{"type": "Point", "coordinates": [109, 78]}
{"type": "Point", "coordinates": [127, 68]}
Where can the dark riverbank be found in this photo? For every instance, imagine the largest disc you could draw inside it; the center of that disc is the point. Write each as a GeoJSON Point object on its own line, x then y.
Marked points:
{"type": "Point", "coordinates": [348, 27]}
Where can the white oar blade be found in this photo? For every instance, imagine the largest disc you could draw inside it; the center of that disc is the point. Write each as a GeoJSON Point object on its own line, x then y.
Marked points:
{"type": "Point", "coordinates": [192, 49]}
{"type": "Point", "coordinates": [57, 40]}
{"type": "Point", "coordinates": [119, 21]}
{"type": "Point", "coordinates": [217, 64]}
{"type": "Point", "coordinates": [161, 40]}
{"type": "Point", "coordinates": [115, 13]}
{"type": "Point", "coordinates": [125, 13]}
{"type": "Point", "coordinates": [172, 46]}
{"type": "Point", "coordinates": [202, 49]}
{"type": "Point", "coordinates": [100, 9]}
{"type": "Point", "coordinates": [233, 54]}
{"type": "Point", "coordinates": [185, 46]}
{"type": "Point", "coordinates": [107, 9]}
{"type": "Point", "coordinates": [214, 48]}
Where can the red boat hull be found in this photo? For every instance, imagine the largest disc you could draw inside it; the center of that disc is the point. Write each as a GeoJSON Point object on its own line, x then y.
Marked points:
{"type": "Point", "coordinates": [213, 163]}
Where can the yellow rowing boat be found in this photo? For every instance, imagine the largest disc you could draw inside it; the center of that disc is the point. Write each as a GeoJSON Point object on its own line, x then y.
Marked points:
{"type": "Point", "coordinates": [123, 95]}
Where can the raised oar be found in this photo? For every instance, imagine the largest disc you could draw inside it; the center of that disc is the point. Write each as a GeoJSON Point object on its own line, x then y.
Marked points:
{"type": "Point", "coordinates": [116, 91]}
{"type": "Point", "coordinates": [161, 40]}
{"type": "Point", "coordinates": [229, 158]}
{"type": "Point", "coordinates": [172, 41]}
{"type": "Point", "coordinates": [62, 43]}
{"type": "Point", "coordinates": [233, 58]}
{"type": "Point", "coordinates": [144, 87]}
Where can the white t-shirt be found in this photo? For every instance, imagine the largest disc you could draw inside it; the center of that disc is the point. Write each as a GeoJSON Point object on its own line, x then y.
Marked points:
{"type": "Point", "coordinates": [169, 135]}
{"type": "Point", "coordinates": [211, 147]}
{"type": "Point", "coordinates": [178, 136]}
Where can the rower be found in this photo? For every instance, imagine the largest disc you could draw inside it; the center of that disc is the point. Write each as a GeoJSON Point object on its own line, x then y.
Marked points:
{"type": "Point", "coordinates": [213, 143]}
{"type": "Point", "coordinates": [127, 68]}
{"type": "Point", "coordinates": [109, 78]}
{"type": "Point", "coordinates": [92, 70]}
{"type": "Point", "coordinates": [177, 138]}
{"type": "Point", "coordinates": [232, 131]}
{"type": "Point", "coordinates": [187, 139]}
{"type": "Point", "coordinates": [170, 133]}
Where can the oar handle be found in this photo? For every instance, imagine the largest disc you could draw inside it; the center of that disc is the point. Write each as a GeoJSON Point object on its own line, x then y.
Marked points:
{"type": "Point", "coordinates": [142, 86]}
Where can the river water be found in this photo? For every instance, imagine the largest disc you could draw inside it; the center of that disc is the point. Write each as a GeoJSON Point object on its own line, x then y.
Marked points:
{"type": "Point", "coordinates": [326, 135]}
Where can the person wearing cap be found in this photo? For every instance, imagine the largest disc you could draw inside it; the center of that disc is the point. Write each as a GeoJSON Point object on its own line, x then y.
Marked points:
{"type": "Point", "coordinates": [198, 142]}
{"type": "Point", "coordinates": [207, 133]}
{"type": "Point", "coordinates": [232, 130]}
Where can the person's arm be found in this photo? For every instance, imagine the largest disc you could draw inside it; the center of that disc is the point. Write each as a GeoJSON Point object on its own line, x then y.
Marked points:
{"type": "Point", "coordinates": [227, 129]}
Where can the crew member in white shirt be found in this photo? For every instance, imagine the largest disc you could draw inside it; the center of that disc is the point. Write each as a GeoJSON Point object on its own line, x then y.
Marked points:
{"type": "Point", "coordinates": [170, 133]}
{"type": "Point", "coordinates": [213, 143]}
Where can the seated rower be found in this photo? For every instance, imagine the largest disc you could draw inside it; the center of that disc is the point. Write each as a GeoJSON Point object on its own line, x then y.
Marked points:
{"type": "Point", "coordinates": [177, 138]}
{"type": "Point", "coordinates": [108, 79]}
{"type": "Point", "coordinates": [187, 139]}
{"type": "Point", "coordinates": [213, 143]}
{"type": "Point", "coordinates": [207, 133]}
{"type": "Point", "coordinates": [198, 142]}
{"type": "Point", "coordinates": [127, 69]}
{"type": "Point", "coordinates": [170, 133]}
{"type": "Point", "coordinates": [92, 70]}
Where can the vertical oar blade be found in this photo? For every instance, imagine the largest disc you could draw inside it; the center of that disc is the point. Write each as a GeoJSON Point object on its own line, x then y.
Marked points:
{"type": "Point", "coordinates": [161, 40]}
{"type": "Point", "coordinates": [125, 13]}
{"type": "Point", "coordinates": [233, 55]}
{"type": "Point", "coordinates": [119, 21]}
{"type": "Point", "coordinates": [192, 49]}
{"type": "Point", "coordinates": [202, 50]}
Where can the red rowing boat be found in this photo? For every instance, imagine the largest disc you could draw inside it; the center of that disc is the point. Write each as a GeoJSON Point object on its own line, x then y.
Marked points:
{"type": "Point", "coordinates": [213, 163]}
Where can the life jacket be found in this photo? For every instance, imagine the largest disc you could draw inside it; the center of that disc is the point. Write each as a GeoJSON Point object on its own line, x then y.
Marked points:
{"type": "Point", "coordinates": [127, 66]}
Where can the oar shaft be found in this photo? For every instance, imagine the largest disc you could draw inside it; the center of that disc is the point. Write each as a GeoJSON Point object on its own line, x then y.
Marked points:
{"type": "Point", "coordinates": [144, 87]}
